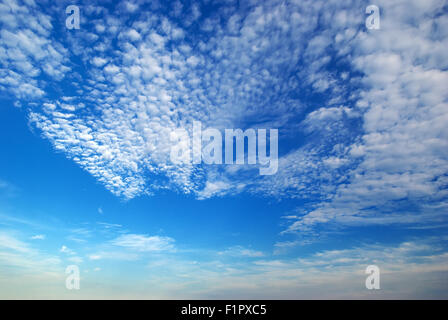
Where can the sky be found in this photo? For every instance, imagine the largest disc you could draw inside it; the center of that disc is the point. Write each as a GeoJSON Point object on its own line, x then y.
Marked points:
{"type": "Point", "coordinates": [87, 116]}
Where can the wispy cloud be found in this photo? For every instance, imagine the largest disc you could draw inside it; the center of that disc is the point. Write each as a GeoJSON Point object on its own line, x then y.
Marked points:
{"type": "Point", "coordinates": [66, 250]}
{"type": "Point", "coordinates": [24, 257]}
{"type": "Point", "coordinates": [240, 251]}
{"type": "Point", "coordinates": [38, 237]}
{"type": "Point", "coordinates": [144, 243]}
{"type": "Point", "coordinates": [10, 242]}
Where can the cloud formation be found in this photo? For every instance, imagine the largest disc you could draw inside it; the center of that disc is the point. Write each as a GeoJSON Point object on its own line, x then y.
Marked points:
{"type": "Point", "coordinates": [361, 112]}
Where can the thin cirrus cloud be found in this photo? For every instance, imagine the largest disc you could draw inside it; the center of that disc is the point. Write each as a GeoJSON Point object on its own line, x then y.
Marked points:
{"type": "Point", "coordinates": [144, 243]}
{"type": "Point", "coordinates": [38, 237]}
{"type": "Point", "coordinates": [240, 251]}
{"type": "Point", "coordinates": [324, 273]}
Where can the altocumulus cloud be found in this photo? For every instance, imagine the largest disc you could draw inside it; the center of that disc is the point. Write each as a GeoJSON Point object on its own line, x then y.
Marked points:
{"type": "Point", "coordinates": [371, 104]}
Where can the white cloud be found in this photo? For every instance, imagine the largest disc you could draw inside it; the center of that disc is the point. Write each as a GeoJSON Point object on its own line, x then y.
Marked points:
{"type": "Point", "coordinates": [131, 34]}
{"type": "Point", "coordinates": [38, 237]}
{"type": "Point", "coordinates": [77, 260]}
{"type": "Point", "coordinates": [144, 243]}
{"type": "Point", "coordinates": [242, 252]}
{"type": "Point", "coordinates": [376, 137]}
{"type": "Point", "coordinates": [113, 255]}
{"type": "Point", "coordinates": [66, 250]}
{"type": "Point", "coordinates": [99, 62]}
{"type": "Point", "coordinates": [24, 258]}
{"type": "Point", "coordinates": [11, 243]}
{"type": "Point", "coordinates": [28, 51]}
{"type": "Point", "coordinates": [333, 274]}
{"type": "Point", "coordinates": [401, 150]}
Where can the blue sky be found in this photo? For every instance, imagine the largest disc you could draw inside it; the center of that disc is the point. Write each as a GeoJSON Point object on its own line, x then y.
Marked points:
{"type": "Point", "coordinates": [86, 178]}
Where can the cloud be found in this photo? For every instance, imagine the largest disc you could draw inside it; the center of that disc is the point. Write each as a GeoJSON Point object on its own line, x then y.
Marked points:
{"type": "Point", "coordinates": [164, 88]}
{"type": "Point", "coordinates": [7, 188]}
{"type": "Point", "coordinates": [26, 52]}
{"type": "Point", "coordinates": [107, 225]}
{"type": "Point", "coordinates": [66, 250]}
{"type": "Point", "coordinates": [95, 257]}
{"type": "Point", "coordinates": [332, 273]}
{"type": "Point", "coordinates": [113, 255]}
{"type": "Point", "coordinates": [99, 62]}
{"type": "Point", "coordinates": [11, 243]}
{"type": "Point", "coordinates": [144, 243]}
{"type": "Point", "coordinates": [77, 260]}
{"type": "Point", "coordinates": [283, 246]}
{"type": "Point", "coordinates": [240, 251]}
{"type": "Point", "coordinates": [38, 237]}
{"type": "Point", "coordinates": [336, 273]}
{"type": "Point", "coordinates": [401, 154]}
{"type": "Point", "coordinates": [24, 258]}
